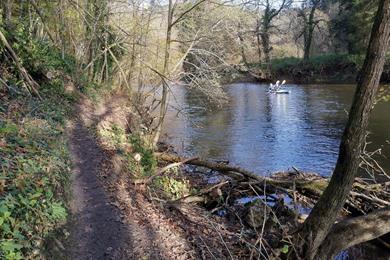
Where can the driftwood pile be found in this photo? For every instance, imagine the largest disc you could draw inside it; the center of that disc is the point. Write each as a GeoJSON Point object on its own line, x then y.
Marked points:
{"type": "Point", "coordinates": [269, 210]}
{"type": "Point", "coordinates": [302, 187]}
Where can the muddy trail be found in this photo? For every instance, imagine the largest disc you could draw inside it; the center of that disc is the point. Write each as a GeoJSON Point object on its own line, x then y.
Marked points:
{"type": "Point", "coordinates": [97, 231]}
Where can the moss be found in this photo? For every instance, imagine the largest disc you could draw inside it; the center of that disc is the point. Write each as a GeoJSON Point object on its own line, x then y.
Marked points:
{"type": "Point", "coordinates": [316, 186]}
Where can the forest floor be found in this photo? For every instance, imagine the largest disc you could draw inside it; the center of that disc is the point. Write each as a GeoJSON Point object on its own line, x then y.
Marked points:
{"type": "Point", "coordinates": [111, 219]}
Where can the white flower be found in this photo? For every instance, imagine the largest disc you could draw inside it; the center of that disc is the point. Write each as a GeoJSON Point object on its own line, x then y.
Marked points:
{"type": "Point", "coordinates": [137, 157]}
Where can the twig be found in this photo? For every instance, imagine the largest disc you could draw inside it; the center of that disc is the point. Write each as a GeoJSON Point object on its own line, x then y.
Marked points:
{"type": "Point", "coordinates": [162, 170]}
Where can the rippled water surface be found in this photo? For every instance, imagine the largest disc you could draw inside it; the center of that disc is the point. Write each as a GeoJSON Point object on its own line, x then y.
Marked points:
{"type": "Point", "coordinates": [266, 132]}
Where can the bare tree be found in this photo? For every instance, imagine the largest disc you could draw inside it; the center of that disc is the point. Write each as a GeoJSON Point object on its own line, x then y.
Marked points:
{"type": "Point", "coordinates": [307, 13]}
{"type": "Point", "coordinates": [267, 11]}
{"type": "Point", "coordinates": [172, 20]}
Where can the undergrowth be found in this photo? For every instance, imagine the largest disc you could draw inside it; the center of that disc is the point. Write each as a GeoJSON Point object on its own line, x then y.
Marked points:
{"type": "Point", "coordinates": [35, 167]}
{"type": "Point", "coordinates": [34, 155]}
{"type": "Point", "coordinates": [319, 63]}
{"type": "Point", "coordinates": [141, 163]}
{"type": "Point", "coordinates": [139, 156]}
{"type": "Point", "coordinates": [330, 68]}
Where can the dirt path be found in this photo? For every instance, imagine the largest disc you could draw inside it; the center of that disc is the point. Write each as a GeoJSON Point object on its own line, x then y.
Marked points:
{"type": "Point", "coordinates": [110, 219]}
{"type": "Point", "coordinates": [97, 231]}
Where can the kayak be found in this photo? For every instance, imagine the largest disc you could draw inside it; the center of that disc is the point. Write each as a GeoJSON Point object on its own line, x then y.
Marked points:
{"type": "Point", "coordinates": [280, 92]}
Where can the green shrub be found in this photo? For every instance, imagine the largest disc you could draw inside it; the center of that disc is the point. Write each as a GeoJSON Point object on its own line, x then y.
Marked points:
{"type": "Point", "coordinates": [38, 56]}
{"type": "Point", "coordinates": [317, 64]}
{"type": "Point", "coordinates": [34, 170]}
{"type": "Point", "coordinates": [174, 188]}
{"type": "Point", "coordinates": [148, 160]}
{"type": "Point", "coordinates": [114, 136]}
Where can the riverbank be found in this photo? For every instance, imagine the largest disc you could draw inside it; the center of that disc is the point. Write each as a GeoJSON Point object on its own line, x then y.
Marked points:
{"type": "Point", "coordinates": [324, 69]}
{"type": "Point", "coordinates": [203, 211]}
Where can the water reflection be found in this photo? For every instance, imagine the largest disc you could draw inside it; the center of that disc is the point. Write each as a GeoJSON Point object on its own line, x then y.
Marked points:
{"type": "Point", "coordinates": [267, 132]}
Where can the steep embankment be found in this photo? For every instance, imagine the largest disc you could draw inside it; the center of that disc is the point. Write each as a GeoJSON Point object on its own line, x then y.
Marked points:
{"type": "Point", "coordinates": [34, 154]}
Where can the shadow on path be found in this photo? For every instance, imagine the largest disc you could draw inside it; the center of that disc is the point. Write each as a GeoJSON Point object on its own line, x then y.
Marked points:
{"type": "Point", "coordinates": [97, 231]}
{"type": "Point", "coordinates": [110, 218]}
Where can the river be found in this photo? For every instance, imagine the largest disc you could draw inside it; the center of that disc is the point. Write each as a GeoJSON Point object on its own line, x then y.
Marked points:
{"type": "Point", "coordinates": [267, 132]}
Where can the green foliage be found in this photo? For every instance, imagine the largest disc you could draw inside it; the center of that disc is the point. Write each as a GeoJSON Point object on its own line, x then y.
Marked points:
{"type": "Point", "coordinates": [38, 56]}
{"type": "Point", "coordinates": [173, 188]}
{"type": "Point", "coordinates": [319, 64]}
{"type": "Point", "coordinates": [285, 249]}
{"type": "Point", "coordinates": [34, 173]}
{"type": "Point", "coordinates": [34, 158]}
{"type": "Point", "coordinates": [141, 162]}
{"type": "Point", "coordinates": [114, 136]}
{"type": "Point", "coordinates": [148, 161]}
{"type": "Point", "coordinates": [384, 94]}
{"type": "Point", "coordinates": [329, 68]}
{"type": "Point", "coordinates": [130, 145]}
{"type": "Point", "coordinates": [352, 26]}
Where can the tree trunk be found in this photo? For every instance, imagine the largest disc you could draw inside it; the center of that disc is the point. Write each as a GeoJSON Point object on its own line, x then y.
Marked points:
{"type": "Point", "coordinates": [7, 13]}
{"type": "Point", "coordinates": [164, 98]}
{"type": "Point", "coordinates": [257, 32]}
{"type": "Point", "coordinates": [308, 31]}
{"type": "Point", "coordinates": [324, 213]}
{"type": "Point", "coordinates": [242, 49]}
{"type": "Point", "coordinates": [266, 42]}
{"type": "Point", "coordinates": [355, 231]}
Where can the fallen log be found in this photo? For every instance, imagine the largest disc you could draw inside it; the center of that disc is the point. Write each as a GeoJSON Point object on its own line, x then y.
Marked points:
{"type": "Point", "coordinates": [32, 85]}
{"type": "Point", "coordinates": [313, 187]}
{"type": "Point", "coordinates": [219, 166]}
{"type": "Point", "coordinates": [363, 198]}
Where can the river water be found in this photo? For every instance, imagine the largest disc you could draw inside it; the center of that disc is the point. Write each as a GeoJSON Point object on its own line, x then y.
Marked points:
{"type": "Point", "coordinates": [266, 132]}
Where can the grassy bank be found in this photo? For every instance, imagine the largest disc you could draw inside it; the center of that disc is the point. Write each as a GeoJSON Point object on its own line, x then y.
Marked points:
{"type": "Point", "coordinates": [34, 154]}
{"type": "Point", "coordinates": [318, 69]}
{"type": "Point", "coordinates": [330, 68]}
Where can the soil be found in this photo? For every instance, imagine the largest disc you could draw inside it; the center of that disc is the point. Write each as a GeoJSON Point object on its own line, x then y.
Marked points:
{"type": "Point", "coordinates": [97, 231]}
